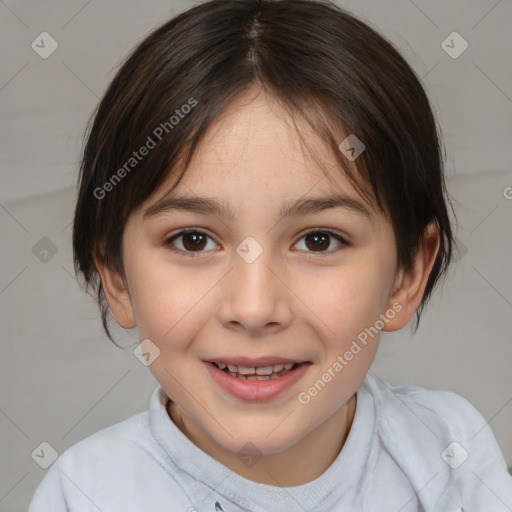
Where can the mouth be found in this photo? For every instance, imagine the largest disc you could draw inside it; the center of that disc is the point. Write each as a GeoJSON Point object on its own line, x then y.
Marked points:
{"type": "Point", "coordinates": [268, 372]}
{"type": "Point", "coordinates": [256, 382]}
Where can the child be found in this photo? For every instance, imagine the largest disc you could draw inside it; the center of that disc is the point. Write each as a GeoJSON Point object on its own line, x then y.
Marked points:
{"type": "Point", "coordinates": [261, 193]}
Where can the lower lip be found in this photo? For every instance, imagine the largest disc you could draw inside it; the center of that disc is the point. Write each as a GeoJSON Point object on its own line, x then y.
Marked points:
{"type": "Point", "coordinates": [256, 389]}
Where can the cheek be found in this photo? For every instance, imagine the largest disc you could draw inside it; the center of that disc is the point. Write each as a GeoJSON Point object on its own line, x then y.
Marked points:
{"type": "Point", "coordinates": [345, 310]}
{"type": "Point", "coordinates": [168, 302]}
{"type": "Point", "coordinates": [346, 300]}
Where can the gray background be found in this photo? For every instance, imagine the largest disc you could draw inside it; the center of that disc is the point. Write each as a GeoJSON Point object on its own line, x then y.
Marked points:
{"type": "Point", "coordinates": [61, 379]}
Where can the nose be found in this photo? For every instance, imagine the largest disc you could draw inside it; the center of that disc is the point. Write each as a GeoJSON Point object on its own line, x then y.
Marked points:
{"type": "Point", "coordinates": [256, 297]}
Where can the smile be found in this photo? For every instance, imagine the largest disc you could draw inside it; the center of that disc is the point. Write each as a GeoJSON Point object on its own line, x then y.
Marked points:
{"type": "Point", "coordinates": [248, 383]}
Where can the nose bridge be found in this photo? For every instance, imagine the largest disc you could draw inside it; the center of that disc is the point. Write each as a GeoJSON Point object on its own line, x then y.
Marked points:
{"type": "Point", "coordinates": [252, 276]}
{"type": "Point", "coordinates": [256, 297]}
{"type": "Point", "coordinates": [252, 269]}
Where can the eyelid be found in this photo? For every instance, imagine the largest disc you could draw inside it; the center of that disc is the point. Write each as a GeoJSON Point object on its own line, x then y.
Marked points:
{"type": "Point", "coordinates": [180, 232]}
{"type": "Point", "coordinates": [324, 230]}
{"type": "Point", "coordinates": [333, 233]}
{"type": "Point", "coordinates": [184, 231]}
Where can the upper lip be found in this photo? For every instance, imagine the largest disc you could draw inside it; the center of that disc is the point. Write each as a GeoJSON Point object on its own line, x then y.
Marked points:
{"type": "Point", "coordinates": [254, 362]}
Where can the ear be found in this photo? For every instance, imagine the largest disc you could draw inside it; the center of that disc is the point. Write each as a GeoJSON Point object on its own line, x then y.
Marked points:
{"type": "Point", "coordinates": [117, 294]}
{"type": "Point", "coordinates": [409, 286]}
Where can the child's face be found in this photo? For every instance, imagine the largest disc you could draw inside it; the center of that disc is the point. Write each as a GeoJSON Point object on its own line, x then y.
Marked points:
{"type": "Point", "coordinates": [303, 298]}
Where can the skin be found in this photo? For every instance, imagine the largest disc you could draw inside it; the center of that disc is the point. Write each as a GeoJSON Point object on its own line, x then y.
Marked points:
{"type": "Point", "coordinates": [293, 300]}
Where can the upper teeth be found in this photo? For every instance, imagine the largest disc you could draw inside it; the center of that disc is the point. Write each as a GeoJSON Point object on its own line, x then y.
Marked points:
{"type": "Point", "coordinates": [261, 370]}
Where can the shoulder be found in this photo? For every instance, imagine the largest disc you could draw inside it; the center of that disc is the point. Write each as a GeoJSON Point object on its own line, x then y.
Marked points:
{"type": "Point", "coordinates": [115, 437]}
{"type": "Point", "coordinates": [128, 440]}
{"type": "Point", "coordinates": [446, 413]}
{"type": "Point", "coordinates": [81, 468]}
{"type": "Point", "coordinates": [108, 469]}
{"type": "Point", "coordinates": [440, 437]}
{"type": "Point", "coordinates": [128, 447]}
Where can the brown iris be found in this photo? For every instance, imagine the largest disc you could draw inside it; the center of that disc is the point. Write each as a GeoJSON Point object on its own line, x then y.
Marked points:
{"type": "Point", "coordinates": [197, 241]}
{"type": "Point", "coordinates": [319, 236]}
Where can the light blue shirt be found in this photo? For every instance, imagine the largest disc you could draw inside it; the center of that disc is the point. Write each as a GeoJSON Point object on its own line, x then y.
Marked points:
{"type": "Point", "coordinates": [408, 450]}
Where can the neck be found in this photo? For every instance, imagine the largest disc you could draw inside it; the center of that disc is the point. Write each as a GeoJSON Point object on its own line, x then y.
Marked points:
{"type": "Point", "coordinates": [289, 467]}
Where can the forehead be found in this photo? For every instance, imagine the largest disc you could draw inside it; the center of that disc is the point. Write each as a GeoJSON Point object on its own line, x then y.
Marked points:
{"type": "Point", "coordinates": [252, 155]}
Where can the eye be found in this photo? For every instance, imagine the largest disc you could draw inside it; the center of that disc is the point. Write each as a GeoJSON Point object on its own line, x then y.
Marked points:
{"type": "Point", "coordinates": [320, 239]}
{"type": "Point", "coordinates": [192, 241]}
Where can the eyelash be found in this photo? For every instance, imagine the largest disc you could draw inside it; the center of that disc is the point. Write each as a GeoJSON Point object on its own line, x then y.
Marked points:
{"type": "Point", "coordinates": [192, 254]}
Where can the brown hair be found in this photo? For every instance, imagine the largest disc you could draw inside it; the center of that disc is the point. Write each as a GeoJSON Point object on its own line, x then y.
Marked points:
{"type": "Point", "coordinates": [324, 65]}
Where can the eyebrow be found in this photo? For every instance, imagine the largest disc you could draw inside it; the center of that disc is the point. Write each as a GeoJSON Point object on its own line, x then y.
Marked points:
{"type": "Point", "coordinates": [216, 206]}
